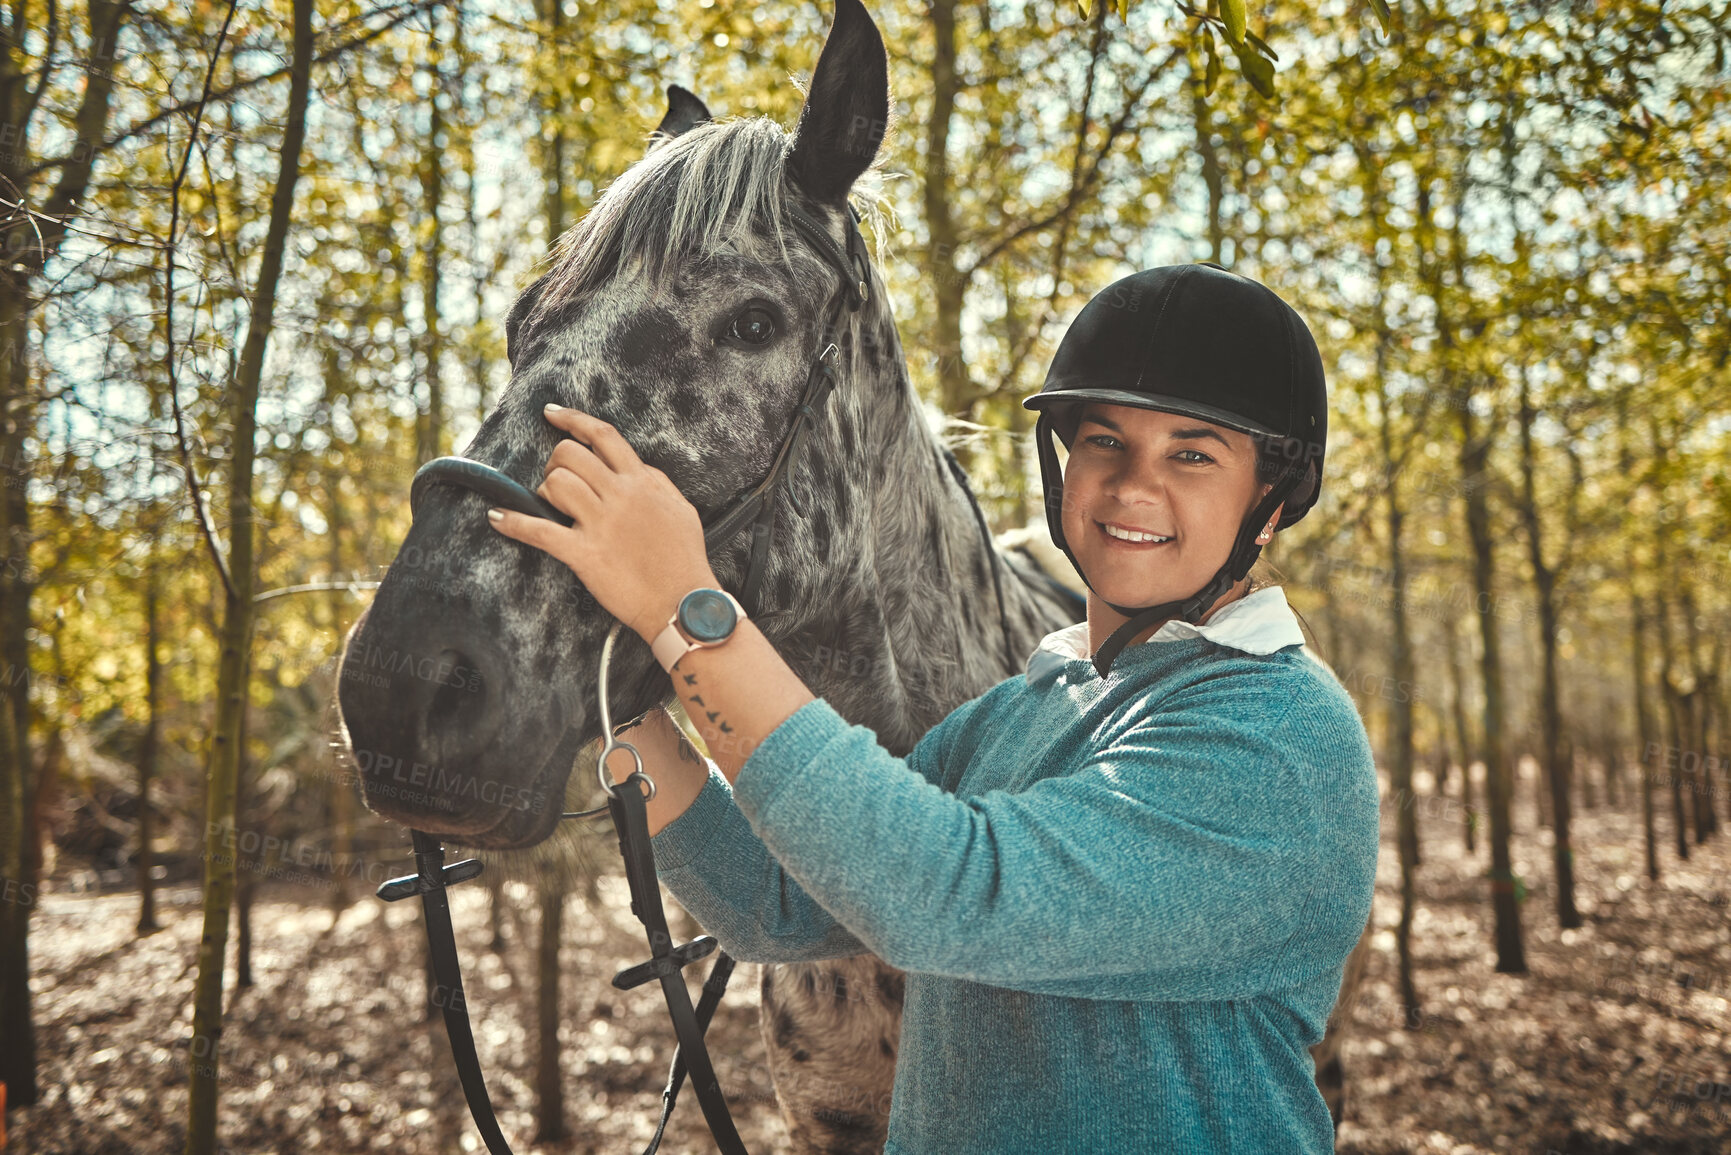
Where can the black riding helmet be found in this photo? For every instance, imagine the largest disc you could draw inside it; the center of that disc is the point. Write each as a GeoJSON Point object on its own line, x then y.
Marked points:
{"type": "Point", "coordinates": [1202, 342]}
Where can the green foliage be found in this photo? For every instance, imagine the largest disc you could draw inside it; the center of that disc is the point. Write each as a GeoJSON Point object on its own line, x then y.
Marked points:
{"type": "Point", "coordinates": [1502, 192]}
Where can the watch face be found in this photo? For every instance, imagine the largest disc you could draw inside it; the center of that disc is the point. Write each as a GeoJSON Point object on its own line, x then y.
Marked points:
{"type": "Point", "coordinates": [707, 615]}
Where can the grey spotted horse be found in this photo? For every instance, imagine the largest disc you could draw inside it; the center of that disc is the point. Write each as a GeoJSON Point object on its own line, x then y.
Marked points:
{"type": "Point", "coordinates": [685, 312]}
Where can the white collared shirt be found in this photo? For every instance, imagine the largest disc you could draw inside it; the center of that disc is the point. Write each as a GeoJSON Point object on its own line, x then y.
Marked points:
{"type": "Point", "coordinates": [1258, 623]}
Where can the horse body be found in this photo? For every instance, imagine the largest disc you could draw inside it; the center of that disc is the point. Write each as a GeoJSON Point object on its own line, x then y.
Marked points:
{"type": "Point", "coordinates": [480, 653]}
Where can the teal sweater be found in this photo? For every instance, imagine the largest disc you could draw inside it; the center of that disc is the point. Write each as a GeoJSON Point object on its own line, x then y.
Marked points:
{"type": "Point", "coordinates": [1124, 906]}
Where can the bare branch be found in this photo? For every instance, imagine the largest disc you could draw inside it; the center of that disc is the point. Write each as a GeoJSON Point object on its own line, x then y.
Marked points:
{"type": "Point", "coordinates": [399, 16]}
{"type": "Point", "coordinates": [206, 529]}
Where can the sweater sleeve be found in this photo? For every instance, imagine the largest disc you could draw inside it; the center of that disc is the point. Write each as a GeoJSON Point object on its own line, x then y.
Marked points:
{"type": "Point", "coordinates": [1174, 863]}
{"type": "Point", "coordinates": [724, 874]}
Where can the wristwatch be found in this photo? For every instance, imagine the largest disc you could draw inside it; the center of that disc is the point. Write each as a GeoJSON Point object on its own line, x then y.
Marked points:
{"type": "Point", "coordinates": [706, 617]}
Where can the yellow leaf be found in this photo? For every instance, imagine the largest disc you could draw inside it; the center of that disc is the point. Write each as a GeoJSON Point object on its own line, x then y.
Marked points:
{"type": "Point", "coordinates": [1257, 69]}
{"type": "Point", "coordinates": [1086, 8]}
{"type": "Point", "coordinates": [1124, 10]}
{"type": "Point", "coordinates": [1232, 13]}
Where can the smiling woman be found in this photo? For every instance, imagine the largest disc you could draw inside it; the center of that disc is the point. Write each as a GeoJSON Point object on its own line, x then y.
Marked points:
{"type": "Point", "coordinates": [1172, 359]}
{"type": "Point", "coordinates": [1148, 513]}
{"type": "Point", "coordinates": [1113, 880]}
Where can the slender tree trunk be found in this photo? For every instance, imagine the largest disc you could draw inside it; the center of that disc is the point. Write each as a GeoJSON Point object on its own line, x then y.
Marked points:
{"type": "Point", "coordinates": [1645, 733]}
{"type": "Point", "coordinates": [432, 423]}
{"type": "Point", "coordinates": [1212, 178]}
{"type": "Point", "coordinates": [1401, 753]}
{"type": "Point", "coordinates": [247, 871]}
{"type": "Point", "coordinates": [1670, 759]}
{"type": "Point", "coordinates": [1694, 758]}
{"type": "Point", "coordinates": [1463, 735]}
{"type": "Point", "coordinates": [1474, 464]}
{"type": "Point", "coordinates": [549, 1087]}
{"type": "Point", "coordinates": [1553, 757]}
{"type": "Point", "coordinates": [955, 386]}
{"type": "Point", "coordinates": [232, 676]}
{"type": "Point", "coordinates": [147, 746]}
{"type": "Point", "coordinates": [19, 1053]}
{"type": "Point", "coordinates": [340, 785]}
{"type": "Point", "coordinates": [553, 158]}
{"type": "Point", "coordinates": [495, 911]}
{"type": "Point", "coordinates": [26, 252]}
{"type": "Point", "coordinates": [1475, 454]}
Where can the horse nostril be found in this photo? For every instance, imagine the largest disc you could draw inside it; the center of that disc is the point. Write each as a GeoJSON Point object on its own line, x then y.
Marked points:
{"type": "Point", "coordinates": [459, 712]}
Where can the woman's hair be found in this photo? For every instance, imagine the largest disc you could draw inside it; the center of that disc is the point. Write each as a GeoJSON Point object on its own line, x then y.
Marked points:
{"type": "Point", "coordinates": [1265, 573]}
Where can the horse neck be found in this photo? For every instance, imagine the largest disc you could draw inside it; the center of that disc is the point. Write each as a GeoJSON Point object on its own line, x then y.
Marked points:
{"type": "Point", "coordinates": [916, 630]}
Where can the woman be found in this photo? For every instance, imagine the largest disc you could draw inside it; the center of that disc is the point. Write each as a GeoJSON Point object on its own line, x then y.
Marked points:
{"type": "Point", "coordinates": [1125, 884]}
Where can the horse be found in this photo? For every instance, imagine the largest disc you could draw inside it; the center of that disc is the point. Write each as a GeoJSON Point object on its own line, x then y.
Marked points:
{"type": "Point", "coordinates": [684, 311]}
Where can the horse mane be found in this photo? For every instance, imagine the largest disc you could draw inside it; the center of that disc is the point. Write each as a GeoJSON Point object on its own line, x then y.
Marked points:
{"type": "Point", "coordinates": [694, 194]}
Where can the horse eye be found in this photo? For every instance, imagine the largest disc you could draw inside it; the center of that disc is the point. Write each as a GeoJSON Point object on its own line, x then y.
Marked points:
{"type": "Point", "coordinates": [753, 326]}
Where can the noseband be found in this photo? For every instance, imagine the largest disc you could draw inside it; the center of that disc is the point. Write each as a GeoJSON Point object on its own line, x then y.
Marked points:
{"type": "Point", "coordinates": [755, 506]}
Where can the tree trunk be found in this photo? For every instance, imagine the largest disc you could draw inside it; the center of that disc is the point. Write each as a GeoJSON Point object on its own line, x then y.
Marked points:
{"type": "Point", "coordinates": [147, 746]}
{"type": "Point", "coordinates": [495, 911]}
{"type": "Point", "coordinates": [1400, 754]}
{"type": "Point", "coordinates": [1474, 464]}
{"type": "Point", "coordinates": [26, 252]}
{"type": "Point", "coordinates": [1645, 734]}
{"type": "Point", "coordinates": [1697, 768]}
{"type": "Point", "coordinates": [432, 423]}
{"type": "Point", "coordinates": [1212, 178]}
{"type": "Point", "coordinates": [249, 872]}
{"type": "Point", "coordinates": [1474, 460]}
{"type": "Point", "coordinates": [341, 786]}
{"type": "Point", "coordinates": [233, 670]}
{"type": "Point", "coordinates": [956, 392]}
{"type": "Point", "coordinates": [549, 1087]}
{"type": "Point", "coordinates": [1463, 734]}
{"type": "Point", "coordinates": [1552, 757]}
{"type": "Point", "coordinates": [1400, 739]}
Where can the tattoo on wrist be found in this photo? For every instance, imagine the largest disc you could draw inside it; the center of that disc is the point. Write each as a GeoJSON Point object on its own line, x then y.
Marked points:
{"type": "Point", "coordinates": [715, 730]}
{"type": "Point", "coordinates": [713, 717]}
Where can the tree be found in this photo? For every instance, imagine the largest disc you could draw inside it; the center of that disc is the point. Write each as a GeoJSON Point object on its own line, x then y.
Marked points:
{"type": "Point", "coordinates": [238, 612]}
{"type": "Point", "coordinates": [32, 237]}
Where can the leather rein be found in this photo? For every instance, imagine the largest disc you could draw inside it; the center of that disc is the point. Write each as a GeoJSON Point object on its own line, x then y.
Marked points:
{"type": "Point", "coordinates": [755, 506]}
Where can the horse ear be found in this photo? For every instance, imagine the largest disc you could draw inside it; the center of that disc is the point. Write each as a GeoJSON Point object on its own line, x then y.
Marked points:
{"type": "Point", "coordinates": [684, 112]}
{"type": "Point", "coordinates": [847, 107]}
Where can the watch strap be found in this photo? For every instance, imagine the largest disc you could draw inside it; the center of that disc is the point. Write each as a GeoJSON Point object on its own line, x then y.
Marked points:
{"type": "Point", "coordinates": [672, 644]}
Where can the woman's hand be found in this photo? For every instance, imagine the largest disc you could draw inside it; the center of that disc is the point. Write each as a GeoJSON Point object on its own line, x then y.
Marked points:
{"type": "Point", "coordinates": [637, 544]}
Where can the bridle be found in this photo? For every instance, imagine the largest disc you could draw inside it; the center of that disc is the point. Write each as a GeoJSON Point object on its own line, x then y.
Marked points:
{"type": "Point", "coordinates": [755, 506]}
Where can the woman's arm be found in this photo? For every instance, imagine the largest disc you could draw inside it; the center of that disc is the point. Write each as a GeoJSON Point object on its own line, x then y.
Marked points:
{"type": "Point", "coordinates": [669, 759]}
{"type": "Point", "coordinates": [715, 865]}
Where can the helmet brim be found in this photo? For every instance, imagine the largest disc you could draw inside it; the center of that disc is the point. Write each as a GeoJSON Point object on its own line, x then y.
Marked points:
{"type": "Point", "coordinates": [1157, 402]}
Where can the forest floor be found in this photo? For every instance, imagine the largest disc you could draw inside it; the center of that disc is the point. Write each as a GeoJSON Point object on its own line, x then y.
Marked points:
{"type": "Point", "coordinates": [1615, 1041]}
